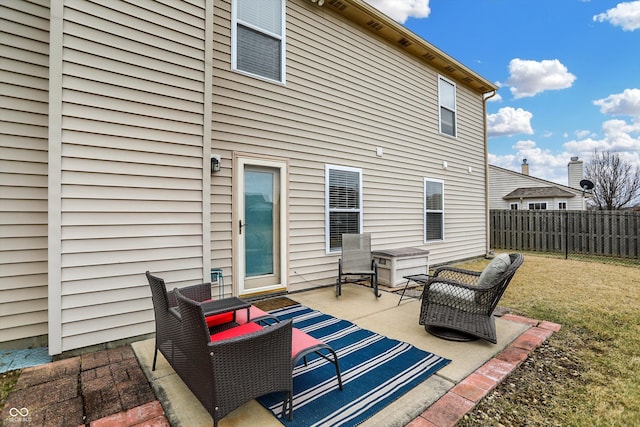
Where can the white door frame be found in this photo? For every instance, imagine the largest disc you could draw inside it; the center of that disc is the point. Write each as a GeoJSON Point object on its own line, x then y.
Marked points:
{"type": "Point", "coordinates": [240, 161]}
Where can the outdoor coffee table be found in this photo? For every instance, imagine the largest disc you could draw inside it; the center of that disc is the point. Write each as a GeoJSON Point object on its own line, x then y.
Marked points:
{"type": "Point", "coordinates": [420, 279]}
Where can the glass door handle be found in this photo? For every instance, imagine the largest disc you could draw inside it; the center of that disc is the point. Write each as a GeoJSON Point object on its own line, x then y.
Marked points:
{"type": "Point", "coordinates": [241, 225]}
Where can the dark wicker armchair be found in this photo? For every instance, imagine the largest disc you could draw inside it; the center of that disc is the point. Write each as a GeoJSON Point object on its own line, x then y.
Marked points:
{"type": "Point", "coordinates": [227, 373]}
{"type": "Point", "coordinates": [167, 322]}
{"type": "Point", "coordinates": [458, 304]}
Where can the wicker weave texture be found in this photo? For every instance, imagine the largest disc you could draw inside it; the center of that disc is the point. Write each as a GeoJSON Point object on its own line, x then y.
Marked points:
{"type": "Point", "coordinates": [451, 299]}
{"type": "Point", "coordinates": [167, 323]}
{"type": "Point", "coordinates": [225, 374]}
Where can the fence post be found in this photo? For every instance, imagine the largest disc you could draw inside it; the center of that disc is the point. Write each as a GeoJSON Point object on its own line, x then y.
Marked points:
{"type": "Point", "coordinates": [566, 234]}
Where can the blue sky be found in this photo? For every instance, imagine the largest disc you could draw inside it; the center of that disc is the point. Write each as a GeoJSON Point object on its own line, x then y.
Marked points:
{"type": "Point", "coordinates": [568, 71]}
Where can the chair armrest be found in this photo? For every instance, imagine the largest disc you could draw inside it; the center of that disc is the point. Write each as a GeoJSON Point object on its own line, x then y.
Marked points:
{"type": "Point", "coordinates": [448, 283]}
{"type": "Point", "coordinates": [199, 293]}
{"type": "Point", "coordinates": [458, 275]}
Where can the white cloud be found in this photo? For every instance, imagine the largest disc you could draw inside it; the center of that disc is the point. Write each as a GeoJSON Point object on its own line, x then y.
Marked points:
{"type": "Point", "coordinates": [625, 103]}
{"type": "Point", "coordinates": [619, 136]}
{"type": "Point", "coordinates": [495, 98]}
{"type": "Point", "coordinates": [543, 163]}
{"type": "Point", "coordinates": [509, 121]}
{"type": "Point", "coordinates": [528, 78]}
{"type": "Point", "coordinates": [401, 10]}
{"type": "Point", "coordinates": [581, 134]}
{"type": "Point", "coordinates": [625, 15]}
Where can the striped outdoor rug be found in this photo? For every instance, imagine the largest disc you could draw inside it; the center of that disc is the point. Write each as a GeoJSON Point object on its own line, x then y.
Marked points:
{"type": "Point", "coordinates": [376, 371]}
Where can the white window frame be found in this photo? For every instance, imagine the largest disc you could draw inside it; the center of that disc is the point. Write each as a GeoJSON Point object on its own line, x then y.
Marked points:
{"type": "Point", "coordinates": [282, 37]}
{"type": "Point", "coordinates": [561, 202]}
{"type": "Point", "coordinates": [514, 206]}
{"type": "Point", "coordinates": [546, 205]}
{"type": "Point", "coordinates": [427, 211]}
{"type": "Point", "coordinates": [441, 106]}
{"type": "Point", "coordinates": [328, 209]}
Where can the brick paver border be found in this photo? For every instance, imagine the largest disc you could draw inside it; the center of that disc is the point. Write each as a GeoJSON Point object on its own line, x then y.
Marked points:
{"type": "Point", "coordinates": [464, 396]}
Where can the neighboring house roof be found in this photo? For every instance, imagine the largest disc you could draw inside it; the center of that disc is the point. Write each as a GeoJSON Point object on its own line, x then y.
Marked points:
{"type": "Point", "coordinates": [378, 23]}
{"type": "Point", "coordinates": [544, 183]}
{"type": "Point", "coordinates": [538, 192]}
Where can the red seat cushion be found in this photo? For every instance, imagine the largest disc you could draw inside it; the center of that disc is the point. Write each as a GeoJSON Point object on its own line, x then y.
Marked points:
{"type": "Point", "coordinates": [247, 328]}
{"type": "Point", "coordinates": [301, 341]}
{"type": "Point", "coordinates": [219, 319]}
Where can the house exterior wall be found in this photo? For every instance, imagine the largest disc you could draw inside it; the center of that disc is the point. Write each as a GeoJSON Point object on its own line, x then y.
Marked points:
{"type": "Point", "coordinates": [503, 182]}
{"type": "Point", "coordinates": [347, 92]}
{"type": "Point", "coordinates": [107, 162]}
{"type": "Point", "coordinates": [24, 57]}
{"type": "Point", "coordinates": [130, 105]}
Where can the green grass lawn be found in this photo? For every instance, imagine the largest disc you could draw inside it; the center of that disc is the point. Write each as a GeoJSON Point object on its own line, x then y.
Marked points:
{"type": "Point", "coordinates": [598, 306]}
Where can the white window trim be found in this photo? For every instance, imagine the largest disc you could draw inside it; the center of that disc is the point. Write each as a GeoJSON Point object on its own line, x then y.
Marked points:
{"type": "Point", "coordinates": [424, 210]}
{"type": "Point", "coordinates": [455, 108]}
{"type": "Point", "coordinates": [566, 205]}
{"type": "Point", "coordinates": [514, 204]}
{"type": "Point", "coordinates": [328, 210]}
{"type": "Point", "coordinates": [282, 38]}
{"type": "Point", "coordinates": [538, 201]}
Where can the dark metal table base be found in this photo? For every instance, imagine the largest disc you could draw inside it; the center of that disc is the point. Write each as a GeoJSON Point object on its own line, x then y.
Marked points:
{"type": "Point", "coordinates": [449, 334]}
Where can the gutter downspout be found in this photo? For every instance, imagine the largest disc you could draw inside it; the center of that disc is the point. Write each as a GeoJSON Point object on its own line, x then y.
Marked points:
{"type": "Point", "coordinates": [486, 172]}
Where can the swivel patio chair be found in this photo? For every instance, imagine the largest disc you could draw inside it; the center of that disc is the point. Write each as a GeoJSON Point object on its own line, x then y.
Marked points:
{"type": "Point", "coordinates": [458, 304]}
{"type": "Point", "coordinates": [357, 261]}
{"type": "Point", "coordinates": [223, 373]}
{"type": "Point", "coordinates": [167, 322]}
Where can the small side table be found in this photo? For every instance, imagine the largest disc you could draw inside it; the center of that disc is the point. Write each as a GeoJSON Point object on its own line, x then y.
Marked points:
{"type": "Point", "coordinates": [420, 279]}
{"type": "Point", "coordinates": [225, 305]}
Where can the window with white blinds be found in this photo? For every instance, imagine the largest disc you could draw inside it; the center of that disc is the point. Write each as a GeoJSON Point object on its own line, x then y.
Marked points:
{"type": "Point", "coordinates": [447, 100]}
{"type": "Point", "coordinates": [433, 210]}
{"type": "Point", "coordinates": [258, 38]}
{"type": "Point", "coordinates": [343, 198]}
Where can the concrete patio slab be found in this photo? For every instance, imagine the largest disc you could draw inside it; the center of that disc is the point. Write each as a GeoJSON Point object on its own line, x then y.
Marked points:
{"type": "Point", "coordinates": [358, 305]}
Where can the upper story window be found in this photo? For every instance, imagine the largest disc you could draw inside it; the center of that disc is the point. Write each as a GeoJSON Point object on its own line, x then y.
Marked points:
{"type": "Point", "coordinates": [447, 101]}
{"type": "Point", "coordinates": [258, 38]}
{"type": "Point", "coordinates": [433, 210]}
{"type": "Point", "coordinates": [562, 206]}
{"type": "Point", "coordinates": [513, 206]}
{"type": "Point", "coordinates": [343, 201]}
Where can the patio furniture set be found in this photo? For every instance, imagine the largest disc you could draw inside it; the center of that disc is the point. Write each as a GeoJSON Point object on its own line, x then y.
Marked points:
{"type": "Point", "coordinates": [228, 351]}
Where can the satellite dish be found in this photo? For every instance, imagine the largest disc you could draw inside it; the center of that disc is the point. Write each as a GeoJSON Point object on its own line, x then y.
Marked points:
{"type": "Point", "coordinates": [586, 185]}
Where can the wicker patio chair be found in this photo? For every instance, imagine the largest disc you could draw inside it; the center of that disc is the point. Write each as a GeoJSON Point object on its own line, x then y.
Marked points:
{"type": "Point", "coordinates": [167, 322]}
{"type": "Point", "coordinates": [458, 304]}
{"type": "Point", "coordinates": [224, 374]}
{"type": "Point", "coordinates": [357, 261]}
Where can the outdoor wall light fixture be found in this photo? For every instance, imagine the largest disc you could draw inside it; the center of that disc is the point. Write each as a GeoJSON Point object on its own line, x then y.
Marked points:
{"type": "Point", "coordinates": [215, 163]}
{"type": "Point", "coordinates": [320, 2]}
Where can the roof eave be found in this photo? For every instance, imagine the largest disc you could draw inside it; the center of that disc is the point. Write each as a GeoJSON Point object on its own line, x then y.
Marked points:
{"type": "Point", "coordinates": [378, 23]}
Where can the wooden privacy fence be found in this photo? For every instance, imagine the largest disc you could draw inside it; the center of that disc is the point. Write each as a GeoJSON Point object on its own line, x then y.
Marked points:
{"type": "Point", "coordinates": [602, 233]}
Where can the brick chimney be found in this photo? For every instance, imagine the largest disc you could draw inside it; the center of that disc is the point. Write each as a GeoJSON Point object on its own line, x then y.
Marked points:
{"type": "Point", "coordinates": [525, 167]}
{"type": "Point", "coordinates": [576, 172]}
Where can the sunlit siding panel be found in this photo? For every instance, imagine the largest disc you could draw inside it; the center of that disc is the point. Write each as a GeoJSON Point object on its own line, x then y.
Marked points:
{"type": "Point", "coordinates": [347, 93]}
{"type": "Point", "coordinates": [24, 59]}
{"type": "Point", "coordinates": [131, 161]}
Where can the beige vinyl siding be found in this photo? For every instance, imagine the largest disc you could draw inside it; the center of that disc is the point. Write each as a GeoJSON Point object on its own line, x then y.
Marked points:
{"type": "Point", "coordinates": [24, 35]}
{"type": "Point", "coordinates": [347, 93]}
{"type": "Point", "coordinates": [131, 161]}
